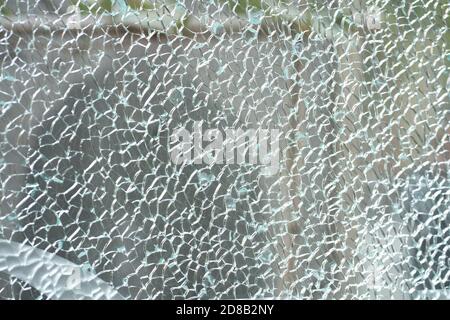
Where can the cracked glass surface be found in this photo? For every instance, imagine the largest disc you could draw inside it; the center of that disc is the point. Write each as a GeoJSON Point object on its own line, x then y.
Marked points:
{"type": "Point", "coordinates": [91, 205]}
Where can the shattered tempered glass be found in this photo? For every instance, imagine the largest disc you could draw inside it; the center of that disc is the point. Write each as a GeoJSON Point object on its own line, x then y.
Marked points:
{"type": "Point", "coordinates": [93, 206]}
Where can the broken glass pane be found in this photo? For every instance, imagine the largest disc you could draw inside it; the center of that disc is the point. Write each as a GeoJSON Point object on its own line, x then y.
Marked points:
{"type": "Point", "coordinates": [224, 149]}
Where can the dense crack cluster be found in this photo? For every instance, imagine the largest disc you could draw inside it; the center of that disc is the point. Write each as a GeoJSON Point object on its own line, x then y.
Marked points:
{"type": "Point", "coordinates": [90, 95]}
